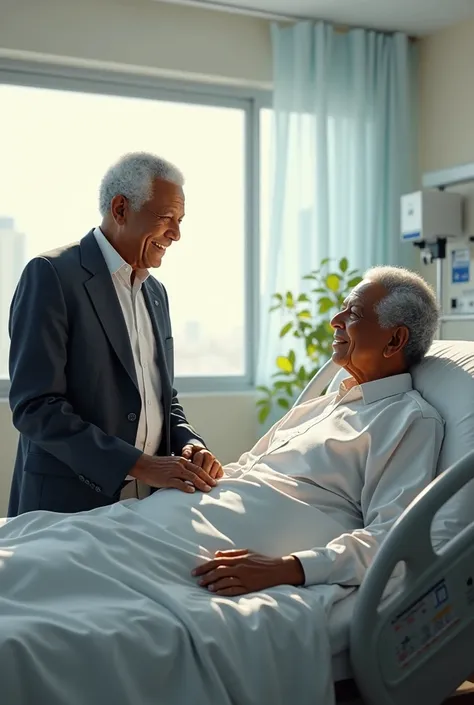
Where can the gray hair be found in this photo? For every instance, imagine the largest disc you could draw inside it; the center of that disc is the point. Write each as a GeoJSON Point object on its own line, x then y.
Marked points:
{"type": "Point", "coordinates": [410, 302]}
{"type": "Point", "coordinates": [132, 176]}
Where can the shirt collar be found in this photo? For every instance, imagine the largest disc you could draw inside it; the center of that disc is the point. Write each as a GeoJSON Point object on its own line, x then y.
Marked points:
{"type": "Point", "coordinates": [115, 262]}
{"type": "Point", "coordinates": [378, 389]}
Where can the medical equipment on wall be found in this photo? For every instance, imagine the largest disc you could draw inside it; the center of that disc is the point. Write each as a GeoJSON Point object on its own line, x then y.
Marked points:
{"type": "Point", "coordinates": [432, 220]}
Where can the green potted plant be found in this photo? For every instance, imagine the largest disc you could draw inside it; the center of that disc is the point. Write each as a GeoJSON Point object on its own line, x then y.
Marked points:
{"type": "Point", "coordinates": [306, 318]}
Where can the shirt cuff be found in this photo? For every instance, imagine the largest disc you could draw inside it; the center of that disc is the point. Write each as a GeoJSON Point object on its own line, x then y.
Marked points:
{"type": "Point", "coordinates": [315, 566]}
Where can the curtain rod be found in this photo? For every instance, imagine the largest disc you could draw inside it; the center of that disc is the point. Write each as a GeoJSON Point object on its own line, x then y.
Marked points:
{"type": "Point", "coordinates": [265, 15]}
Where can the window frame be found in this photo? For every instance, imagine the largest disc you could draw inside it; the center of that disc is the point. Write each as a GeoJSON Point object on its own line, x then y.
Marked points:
{"type": "Point", "coordinates": [134, 85]}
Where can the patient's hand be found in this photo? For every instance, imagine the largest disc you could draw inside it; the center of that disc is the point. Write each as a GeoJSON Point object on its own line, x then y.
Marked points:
{"type": "Point", "coordinates": [204, 459]}
{"type": "Point", "coordinates": [239, 572]}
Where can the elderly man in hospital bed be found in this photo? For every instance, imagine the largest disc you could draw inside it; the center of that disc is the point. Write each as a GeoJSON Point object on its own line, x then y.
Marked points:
{"type": "Point", "coordinates": [189, 598]}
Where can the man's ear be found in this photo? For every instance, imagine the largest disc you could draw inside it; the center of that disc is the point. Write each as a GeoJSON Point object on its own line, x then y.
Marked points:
{"type": "Point", "coordinates": [397, 341]}
{"type": "Point", "coordinates": [118, 208]}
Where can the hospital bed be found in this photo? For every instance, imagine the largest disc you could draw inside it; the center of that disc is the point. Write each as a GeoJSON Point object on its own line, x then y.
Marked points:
{"type": "Point", "coordinates": [417, 646]}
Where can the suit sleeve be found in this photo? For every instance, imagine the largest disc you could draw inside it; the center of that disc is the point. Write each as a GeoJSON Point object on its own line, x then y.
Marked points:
{"type": "Point", "coordinates": [387, 492]}
{"type": "Point", "coordinates": [181, 431]}
{"type": "Point", "coordinates": [38, 394]}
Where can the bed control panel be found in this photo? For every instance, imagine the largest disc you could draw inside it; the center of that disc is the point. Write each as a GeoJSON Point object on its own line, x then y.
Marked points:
{"type": "Point", "coordinates": [424, 625]}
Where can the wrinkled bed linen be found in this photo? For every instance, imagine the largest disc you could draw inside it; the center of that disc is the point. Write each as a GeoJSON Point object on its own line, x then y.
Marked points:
{"type": "Point", "coordinates": [101, 608]}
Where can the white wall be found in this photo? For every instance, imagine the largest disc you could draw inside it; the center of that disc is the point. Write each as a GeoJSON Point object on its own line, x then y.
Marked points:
{"type": "Point", "coordinates": [141, 34]}
{"type": "Point", "coordinates": [447, 98]}
{"type": "Point", "coordinates": [153, 38]}
{"type": "Point", "coordinates": [447, 116]}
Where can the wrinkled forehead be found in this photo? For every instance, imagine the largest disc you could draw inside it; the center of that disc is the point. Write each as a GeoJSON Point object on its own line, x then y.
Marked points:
{"type": "Point", "coordinates": [167, 193]}
{"type": "Point", "coordinates": [367, 294]}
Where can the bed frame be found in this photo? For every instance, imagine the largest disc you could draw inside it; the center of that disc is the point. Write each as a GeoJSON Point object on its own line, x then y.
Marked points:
{"type": "Point", "coordinates": [417, 646]}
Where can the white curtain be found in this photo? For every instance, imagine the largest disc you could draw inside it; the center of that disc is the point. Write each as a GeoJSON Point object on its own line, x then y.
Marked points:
{"type": "Point", "coordinates": [342, 152]}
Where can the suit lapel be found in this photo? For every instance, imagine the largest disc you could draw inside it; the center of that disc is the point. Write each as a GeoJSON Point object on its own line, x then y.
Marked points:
{"type": "Point", "coordinates": [154, 305]}
{"type": "Point", "coordinates": [103, 296]}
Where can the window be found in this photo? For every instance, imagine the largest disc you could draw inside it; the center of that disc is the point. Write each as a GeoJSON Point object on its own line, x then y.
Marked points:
{"type": "Point", "coordinates": [266, 116]}
{"type": "Point", "coordinates": [56, 145]}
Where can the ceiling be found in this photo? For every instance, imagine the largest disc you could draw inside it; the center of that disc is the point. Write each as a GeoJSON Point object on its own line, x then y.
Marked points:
{"type": "Point", "coordinates": [417, 17]}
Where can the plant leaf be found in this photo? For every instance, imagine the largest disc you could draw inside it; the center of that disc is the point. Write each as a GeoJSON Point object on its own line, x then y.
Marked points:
{"type": "Point", "coordinates": [264, 390]}
{"type": "Point", "coordinates": [304, 314]}
{"type": "Point", "coordinates": [303, 297]}
{"type": "Point", "coordinates": [325, 304]}
{"type": "Point", "coordinates": [332, 282]}
{"type": "Point", "coordinates": [289, 301]}
{"type": "Point", "coordinates": [284, 403]}
{"type": "Point", "coordinates": [343, 264]}
{"type": "Point", "coordinates": [263, 414]}
{"type": "Point", "coordinates": [304, 325]}
{"type": "Point", "coordinates": [302, 376]}
{"type": "Point", "coordinates": [325, 261]}
{"type": "Point", "coordinates": [286, 329]}
{"type": "Point", "coordinates": [353, 282]}
{"type": "Point", "coordinates": [284, 364]}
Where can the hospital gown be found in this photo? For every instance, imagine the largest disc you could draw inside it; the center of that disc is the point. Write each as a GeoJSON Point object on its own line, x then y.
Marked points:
{"type": "Point", "coordinates": [362, 455]}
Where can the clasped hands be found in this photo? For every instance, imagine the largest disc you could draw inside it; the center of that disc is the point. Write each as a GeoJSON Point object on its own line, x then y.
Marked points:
{"type": "Point", "coordinates": [195, 469]}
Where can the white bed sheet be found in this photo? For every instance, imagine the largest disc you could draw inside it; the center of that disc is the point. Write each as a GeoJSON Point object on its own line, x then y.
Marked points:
{"type": "Point", "coordinates": [109, 593]}
{"type": "Point", "coordinates": [339, 624]}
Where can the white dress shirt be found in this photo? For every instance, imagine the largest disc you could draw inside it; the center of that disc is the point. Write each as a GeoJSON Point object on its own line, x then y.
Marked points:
{"type": "Point", "coordinates": [143, 344]}
{"type": "Point", "coordinates": [361, 455]}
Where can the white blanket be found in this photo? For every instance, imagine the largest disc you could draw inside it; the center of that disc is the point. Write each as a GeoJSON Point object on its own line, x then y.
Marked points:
{"type": "Point", "coordinates": [100, 607]}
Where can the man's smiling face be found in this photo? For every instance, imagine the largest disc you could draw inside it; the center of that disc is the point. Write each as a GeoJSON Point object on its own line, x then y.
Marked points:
{"type": "Point", "coordinates": [360, 344]}
{"type": "Point", "coordinates": [143, 236]}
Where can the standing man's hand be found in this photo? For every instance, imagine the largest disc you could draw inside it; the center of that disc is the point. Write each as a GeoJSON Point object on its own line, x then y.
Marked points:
{"type": "Point", "coordinates": [204, 459]}
{"type": "Point", "coordinates": [173, 473]}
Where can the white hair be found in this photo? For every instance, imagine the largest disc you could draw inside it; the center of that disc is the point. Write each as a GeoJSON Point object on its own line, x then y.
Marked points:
{"type": "Point", "coordinates": [132, 176]}
{"type": "Point", "coordinates": [410, 302]}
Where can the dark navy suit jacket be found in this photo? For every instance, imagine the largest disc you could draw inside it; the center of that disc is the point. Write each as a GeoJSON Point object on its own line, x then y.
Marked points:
{"type": "Point", "coordinates": [74, 393]}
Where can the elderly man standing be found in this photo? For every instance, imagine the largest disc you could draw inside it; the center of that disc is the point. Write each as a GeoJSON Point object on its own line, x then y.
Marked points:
{"type": "Point", "coordinates": [91, 358]}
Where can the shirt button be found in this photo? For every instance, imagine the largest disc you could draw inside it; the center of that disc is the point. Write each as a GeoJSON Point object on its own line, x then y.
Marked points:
{"type": "Point", "coordinates": [132, 417]}
{"type": "Point", "coordinates": [149, 402]}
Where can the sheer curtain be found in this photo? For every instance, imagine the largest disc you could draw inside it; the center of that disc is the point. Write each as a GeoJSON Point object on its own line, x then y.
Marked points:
{"type": "Point", "coordinates": [343, 150]}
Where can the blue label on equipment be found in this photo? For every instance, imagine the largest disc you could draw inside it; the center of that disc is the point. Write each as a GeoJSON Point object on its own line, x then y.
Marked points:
{"type": "Point", "coordinates": [411, 236]}
{"type": "Point", "coordinates": [460, 266]}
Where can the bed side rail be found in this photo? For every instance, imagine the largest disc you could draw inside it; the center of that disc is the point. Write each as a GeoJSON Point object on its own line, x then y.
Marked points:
{"type": "Point", "coordinates": [418, 645]}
